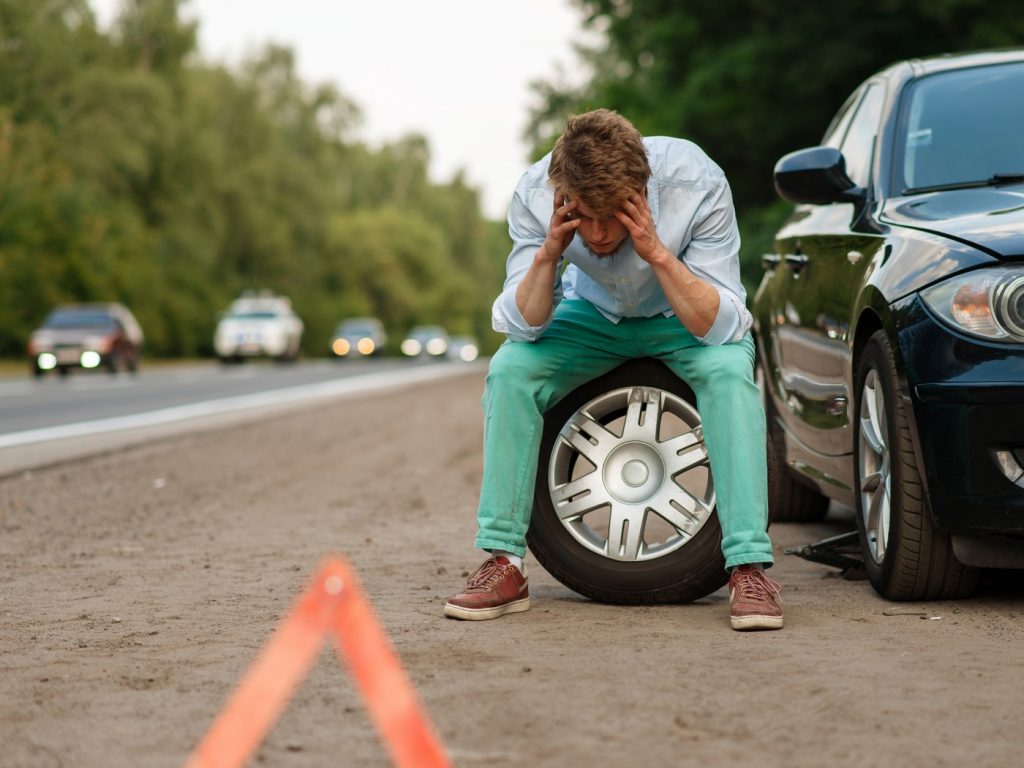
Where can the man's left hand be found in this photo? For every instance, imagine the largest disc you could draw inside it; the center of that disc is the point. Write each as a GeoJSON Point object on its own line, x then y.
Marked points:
{"type": "Point", "coordinates": [638, 220]}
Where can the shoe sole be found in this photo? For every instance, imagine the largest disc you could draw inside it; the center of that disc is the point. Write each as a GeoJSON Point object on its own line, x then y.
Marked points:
{"type": "Point", "coordinates": [744, 623]}
{"type": "Point", "coordinates": [482, 614]}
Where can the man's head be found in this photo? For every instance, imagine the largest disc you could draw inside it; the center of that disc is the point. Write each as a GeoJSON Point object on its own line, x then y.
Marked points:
{"type": "Point", "coordinates": [598, 162]}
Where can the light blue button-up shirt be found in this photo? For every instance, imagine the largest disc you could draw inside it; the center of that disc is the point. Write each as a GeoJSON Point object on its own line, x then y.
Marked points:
{"type": "Point", "coordinates": [694, 216]}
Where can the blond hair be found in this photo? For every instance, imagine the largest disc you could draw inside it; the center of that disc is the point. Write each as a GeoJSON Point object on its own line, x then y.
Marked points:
{"type": "Point", "coordinates": [600, 159]}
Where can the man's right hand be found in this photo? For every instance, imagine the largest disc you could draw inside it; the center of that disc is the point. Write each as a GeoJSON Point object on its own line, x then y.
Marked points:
{"type": "Point", "coordinates": [560, 232]}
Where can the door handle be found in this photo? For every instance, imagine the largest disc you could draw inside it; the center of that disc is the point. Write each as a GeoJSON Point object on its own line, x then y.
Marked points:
{"type": "Point", "coordinates": [796, 261]}
{"type": "Point", "coordinates": [770, 261]}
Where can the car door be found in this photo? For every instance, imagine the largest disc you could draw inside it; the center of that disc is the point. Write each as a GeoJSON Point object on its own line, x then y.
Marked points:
{"type": "Point", "coordinates": [820, 257]}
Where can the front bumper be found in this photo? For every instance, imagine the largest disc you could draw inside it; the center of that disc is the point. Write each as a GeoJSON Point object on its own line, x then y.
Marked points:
{"type": "Point", "coordinates": [968, 405]}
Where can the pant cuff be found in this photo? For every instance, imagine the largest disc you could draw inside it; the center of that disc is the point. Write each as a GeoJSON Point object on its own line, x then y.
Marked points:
{"type": "Point", "coordinates": [505, 546]}
{"type": "Point", "coordinates": [765, 559]}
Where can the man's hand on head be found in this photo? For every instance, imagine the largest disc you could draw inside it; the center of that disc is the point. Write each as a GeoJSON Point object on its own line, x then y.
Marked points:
{"type": "Point", "coordinates": [560, 232]}
{"type": "Point", "coordinates": [638, 220]}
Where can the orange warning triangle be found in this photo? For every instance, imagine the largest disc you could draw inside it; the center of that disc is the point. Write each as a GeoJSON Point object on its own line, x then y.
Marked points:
{"type": "Point", "coordinates": [333, 605]}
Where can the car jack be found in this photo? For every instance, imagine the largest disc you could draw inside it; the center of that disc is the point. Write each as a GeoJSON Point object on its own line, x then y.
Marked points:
{"type": "Point", "coordinates": [842, 551]}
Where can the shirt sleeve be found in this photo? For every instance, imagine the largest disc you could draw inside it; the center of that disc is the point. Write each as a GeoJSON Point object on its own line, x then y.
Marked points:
{"type": "Point", "coordinates": [527, 233]}
{"type": "Point", "coordinates": [713, 255]}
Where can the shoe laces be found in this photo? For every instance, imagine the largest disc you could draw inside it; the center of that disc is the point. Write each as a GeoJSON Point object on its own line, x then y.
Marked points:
{"type": "Point", "coordinates": [752, 583]}
{"type": "Point", "coordinates": [488, 575]}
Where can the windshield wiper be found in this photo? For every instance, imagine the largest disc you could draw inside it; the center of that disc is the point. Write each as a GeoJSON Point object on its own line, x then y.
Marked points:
{"type": "Point", "coordinates": [992, 181]}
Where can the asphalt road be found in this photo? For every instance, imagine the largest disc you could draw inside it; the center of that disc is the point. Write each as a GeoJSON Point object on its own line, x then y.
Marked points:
{"type": "Point", "coordinates": [138, 586]}
{"type": "Point", "coordinates": [51, 420]}
{"type": "Point", "coordinates": [33, 404]}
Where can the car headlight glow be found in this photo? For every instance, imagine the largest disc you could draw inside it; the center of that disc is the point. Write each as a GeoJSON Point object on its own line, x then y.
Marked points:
{"type": "Point", "coordinates": [366, 346]}
{"type": "Point", "coordinates": [437, 346]}
{"type": "Point", "coordinates": [411, 347]}
{"type": "Point", "coordinates": [90, 358]}
{"type": "Point", "coordinates": [46, 361]}
{"type": "Point", "coordinates": [988, 303]}
{"type": "Point", "coordinates": [340, 347]}
{"type": "Point", "coordinates": [468, 353]}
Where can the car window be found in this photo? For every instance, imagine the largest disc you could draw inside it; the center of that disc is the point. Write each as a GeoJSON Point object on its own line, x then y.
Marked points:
{"type": "Point", "coordinates": [255, 315]}
{"type": "Point", "coordinates": [962, 126]}
{"type": "Point", "coordinates": [78, 319]}
{"type": "Point", "coordinates": [837, 128]}
{"type": "Point", "coordinates": [859, 143]}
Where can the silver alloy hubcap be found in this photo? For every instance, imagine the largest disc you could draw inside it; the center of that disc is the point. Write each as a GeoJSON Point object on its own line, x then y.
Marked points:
{"type": "Point", "coordinates": [629, 476]}
{"type": "Point", "coordinates": [874, 463]}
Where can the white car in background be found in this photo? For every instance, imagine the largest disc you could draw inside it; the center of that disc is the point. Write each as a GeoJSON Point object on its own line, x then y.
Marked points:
{"type": "Point", "coordinates": [258, 325]}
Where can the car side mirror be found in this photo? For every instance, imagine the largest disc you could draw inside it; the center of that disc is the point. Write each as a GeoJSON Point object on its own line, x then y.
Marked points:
{"type": "Point", "coordinates": [817, 176]}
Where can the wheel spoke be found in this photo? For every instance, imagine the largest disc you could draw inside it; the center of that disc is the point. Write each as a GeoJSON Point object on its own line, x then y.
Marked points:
{"type": "Point", "coordinates": [872, 427]}
{"type": "Point", "coordinates": [681, 510]}
{"type": "Point", "coordinates": [881, 424]}
{"type": "Point", "coordinates": [625, 532]}
{"type": "Point", "coordinates": [697, 456]}
{"type": "Point", "coordinates": [643, 415]}
{"type": "Point", "coordinates": [882, 530]}
{"type": "Point", "coordinates": [588, 437]}
{"type": "Point", "coordinates": [579, 496]}
{"type": "Point", "coordinates": [870, 483]}
{"type": "Point", "coordinates": [680, 443]}
{"type": "Point", "coordinates": [873, 525]}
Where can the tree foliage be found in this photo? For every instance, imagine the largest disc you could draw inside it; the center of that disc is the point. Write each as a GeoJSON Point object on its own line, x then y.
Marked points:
{"type": "Point", "coordinates": [750, 80]}
{"type": "Point", "coordinates": [130, 170]}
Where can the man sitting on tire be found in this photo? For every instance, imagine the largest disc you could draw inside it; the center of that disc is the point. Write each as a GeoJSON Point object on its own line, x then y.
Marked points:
{"type": "Point", "coordinates": [648, 229]}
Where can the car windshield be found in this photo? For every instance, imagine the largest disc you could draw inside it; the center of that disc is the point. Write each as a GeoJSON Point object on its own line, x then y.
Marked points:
{"type": "Point", "coordinates": [962, 129]}
{"type": "Point", "coordinates": [255, 315]}
{"type": "Point", "coordinates": [362, 327]}
{"type": "Point", "coordinates": [78, 319]}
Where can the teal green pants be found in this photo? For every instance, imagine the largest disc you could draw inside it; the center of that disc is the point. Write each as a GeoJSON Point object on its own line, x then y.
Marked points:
{"type": "Point", "coordinates": [526, 378]}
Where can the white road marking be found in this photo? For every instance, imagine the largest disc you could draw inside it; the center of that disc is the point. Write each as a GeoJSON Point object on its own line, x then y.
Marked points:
{"type": "Point", "coordinates": [325, 389]}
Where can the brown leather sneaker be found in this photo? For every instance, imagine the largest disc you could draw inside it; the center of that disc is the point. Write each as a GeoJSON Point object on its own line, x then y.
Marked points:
{"type": "Point", "coordinates": [754, 600]}
{"type": "Point", "coordinates": [497, 587]}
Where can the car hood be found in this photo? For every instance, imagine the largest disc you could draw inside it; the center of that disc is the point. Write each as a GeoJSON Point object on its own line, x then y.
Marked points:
{"type": "Point", "coordinates": [988, 218]}
{"type": "Point", "coordinates": [69, 335]}
{"type": "Point", "coordinates": [236, 326]}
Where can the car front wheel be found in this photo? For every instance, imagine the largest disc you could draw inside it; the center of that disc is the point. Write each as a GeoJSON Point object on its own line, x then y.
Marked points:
{"type": "Point", "coordinates": [624, 508]}
{"type": "Point", "coordinates": [905, 555]}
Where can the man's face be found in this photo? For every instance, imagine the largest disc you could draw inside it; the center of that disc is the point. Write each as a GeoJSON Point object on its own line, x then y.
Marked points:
{"type": "Point", "coordinates": [602, 236]}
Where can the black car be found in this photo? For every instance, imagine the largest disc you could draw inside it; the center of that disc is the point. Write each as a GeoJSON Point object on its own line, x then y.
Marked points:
{"type": "Point", "coordinates": [890, 323]}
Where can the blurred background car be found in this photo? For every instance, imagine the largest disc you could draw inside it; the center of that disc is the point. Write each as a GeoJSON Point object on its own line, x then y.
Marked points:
{"type": "Point", "coordinates": [258, 325]}
{"type": "Point", "coordinates": [86, 336]}
{"type": "Point", "coordinates": [890, 324]}
{"type": "Point", "coordinates": [427, 341]}
{"type": "Point", "coordinates": [463, 348]}
{"type": "Point", "coordinates": [359, 337]}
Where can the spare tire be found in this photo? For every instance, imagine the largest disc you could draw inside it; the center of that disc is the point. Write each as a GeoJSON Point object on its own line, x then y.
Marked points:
{"type": "Point", "coordinates": [624, 507]}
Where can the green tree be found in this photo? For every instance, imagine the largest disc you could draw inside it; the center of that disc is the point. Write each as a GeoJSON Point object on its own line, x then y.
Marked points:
{"type": "Point", "coordinates": [750, 80]}
{"type": "Point", "coordinates": [130, 170]}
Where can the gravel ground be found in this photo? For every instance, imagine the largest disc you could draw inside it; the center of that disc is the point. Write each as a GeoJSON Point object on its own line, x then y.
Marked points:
{"type": "Point", "coordinates": [137, 586]}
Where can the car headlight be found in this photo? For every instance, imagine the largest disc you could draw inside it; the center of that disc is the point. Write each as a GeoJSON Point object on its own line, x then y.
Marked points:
{"type": "Point", "coordinates": [436, 346]}
{"type": "Point", "coordinates": [988, 303]}
{"type": "Point", "coordinates": [411, 347]}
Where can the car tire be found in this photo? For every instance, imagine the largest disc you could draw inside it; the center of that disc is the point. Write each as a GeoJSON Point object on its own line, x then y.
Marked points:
{"type": "Point", "coordinates": [789, 499]}
{"type": "Point", "coordinates": [684, 567]}
{"type": "Point", "coordinates": [906, 557]}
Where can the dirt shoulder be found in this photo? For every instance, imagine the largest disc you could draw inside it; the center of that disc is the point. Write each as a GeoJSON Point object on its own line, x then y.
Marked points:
{"type": "Point", "coordinates": [136, 587]}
